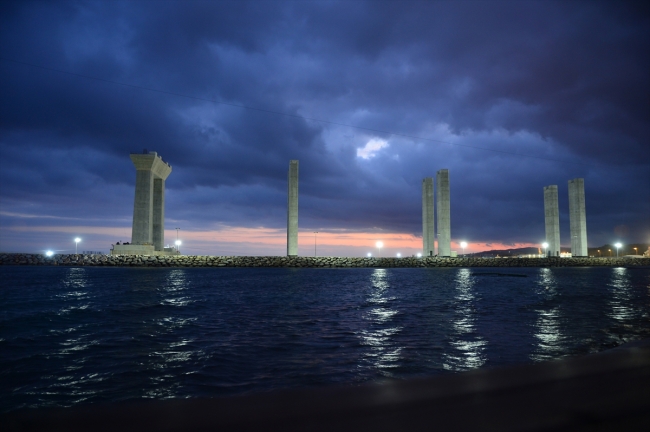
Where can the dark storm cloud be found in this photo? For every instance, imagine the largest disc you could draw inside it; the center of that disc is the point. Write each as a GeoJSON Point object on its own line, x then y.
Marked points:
{"type": "Point", "coordinates": [564, 81]}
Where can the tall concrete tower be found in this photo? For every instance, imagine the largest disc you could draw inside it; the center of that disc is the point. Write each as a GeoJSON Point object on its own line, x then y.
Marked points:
{"type": "Point", "coordinates": [149, 206]}
{"type": "Point", "coordinates": [428, 231]}
{"type": "Point", "coordinates": [578, 218]}
{"type": "Point", "coordinates": [444, 213]}
{"type": "Point", "coordinates": [552, 220]}
{"type": "Point", "coordinates": [292, 209]}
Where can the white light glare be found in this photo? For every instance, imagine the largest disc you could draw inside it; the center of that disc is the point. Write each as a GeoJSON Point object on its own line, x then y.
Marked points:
{"type": "Point", "coordinates": [379, 244]}
{"type": "Point", "coordinates": [419, 255]}
{"type": "Point", "coordinates": [369, 254]}
{"type": "Point", "coordinates": [463, 244]}
{"type": "Point", "coordinates": [399, 255]}
{"type": "Point", "coordinates": [544, 245]}
{"type": "Point", "coordinates": [49, 253]}
{"type": "Point", "coordinates": [77, 240]}
{"type": "Point", "coordinates": [178, 242]}
{"type": "Point", "coordinates": [618, 245]}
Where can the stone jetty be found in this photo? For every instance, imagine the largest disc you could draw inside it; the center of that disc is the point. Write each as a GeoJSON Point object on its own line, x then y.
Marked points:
{"type": "Point", "coordinates": [323, 262]}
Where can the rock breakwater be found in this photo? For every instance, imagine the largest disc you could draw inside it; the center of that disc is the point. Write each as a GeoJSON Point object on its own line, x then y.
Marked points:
{"type": "Point", "coordinates": [324, 262]}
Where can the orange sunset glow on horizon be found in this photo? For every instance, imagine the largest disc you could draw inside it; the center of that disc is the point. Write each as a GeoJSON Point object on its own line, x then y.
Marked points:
{"type": "Point", "coordinates": [262, 241]}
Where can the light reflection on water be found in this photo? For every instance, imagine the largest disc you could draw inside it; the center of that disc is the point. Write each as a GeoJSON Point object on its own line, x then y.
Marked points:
{"type": "Point", "coordinates": [76, 296]}
{"type": "Point", "coordinates": [467, 346]}
{"type": "Point", "coordinates": [548, 332]}
{"type": "Point", "coordinates": [76, 289]}
{"type": "Point", "coordinates": [171, 356]}
{"type": "Point", "coordinates": [383, 353]}
{"type": "Point", "coordinates": [174, 292]}
{"type": "Point", "coordinates": [620, 298]}
{"type": "Point", "coordinates": [621, 305]}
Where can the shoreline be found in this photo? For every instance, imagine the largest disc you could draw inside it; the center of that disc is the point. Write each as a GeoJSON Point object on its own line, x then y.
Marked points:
{"type": "Point", "coordinates": [72, 260]}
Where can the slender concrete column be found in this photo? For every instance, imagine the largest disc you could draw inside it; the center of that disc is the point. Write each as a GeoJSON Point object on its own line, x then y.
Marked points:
{"type": "Point", "coordinates": [149, 204]}
{"type": "Point", "coordinates": [552, 220]}
{"type": "Point", "coordinates": [428, 231]}
{"type": "Point", "coordinates": [578, 217]}
{"type": "Point", "coordinates": [292, 209]}
{"type": "Point", "coordinates": [444, 213]}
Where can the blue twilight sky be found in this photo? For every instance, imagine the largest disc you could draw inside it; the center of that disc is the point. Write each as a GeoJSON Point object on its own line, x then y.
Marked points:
{"type": "Point", "coordinates": [510, 96]}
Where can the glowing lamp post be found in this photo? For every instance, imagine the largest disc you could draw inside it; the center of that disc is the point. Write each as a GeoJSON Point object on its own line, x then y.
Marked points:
{"type": "Point", "coordinates": [635, 251]}
{"type": "Point", "coordinates": [463, 245]}
{"type": "Point", "coordinates": [419, 255]}
{"type": "Point", "coordinates": [178, 244]}
{"type": "Point", "coordinates": [379, 245]}
{"type": "Point", "coordinates": [618, 246]}
{"type": "Point", "coordinates": [369, 255]}
{"type": "Point", "coordinates": [76, 243]}
{"type": "Point", "coordinates": [49, 253]}
{"type": "Point", "coordinates": [399, 255]}
{"type": "Point", "coordinates": [545, 246]}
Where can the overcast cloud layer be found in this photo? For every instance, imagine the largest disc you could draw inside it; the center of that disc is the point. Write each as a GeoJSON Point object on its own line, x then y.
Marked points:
{"type": "Point", "coordinates": [509, 96]}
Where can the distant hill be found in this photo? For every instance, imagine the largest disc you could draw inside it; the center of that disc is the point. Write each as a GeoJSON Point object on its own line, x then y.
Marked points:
{"type": "Point", "coordinates": [627, 249]}
{"type": "Point", "coordinates": [514, 252]}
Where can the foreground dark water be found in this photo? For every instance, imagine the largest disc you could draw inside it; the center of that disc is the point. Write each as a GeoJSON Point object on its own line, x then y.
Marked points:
{"type": "Point", "coordinates": [81, 335]}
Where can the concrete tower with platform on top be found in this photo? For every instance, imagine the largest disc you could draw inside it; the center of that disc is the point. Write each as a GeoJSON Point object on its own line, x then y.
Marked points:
{"type": "Point", "coordinates": [148, 230]}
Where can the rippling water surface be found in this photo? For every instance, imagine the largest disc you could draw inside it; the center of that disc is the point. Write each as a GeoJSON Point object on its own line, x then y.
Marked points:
{"type": "Point", "coordinates": [80, 335]}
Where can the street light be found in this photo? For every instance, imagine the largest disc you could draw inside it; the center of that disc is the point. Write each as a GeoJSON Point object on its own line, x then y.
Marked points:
{"type": "Point", "coordinates": [545, 246]}
{"type": "Point", "coordinates": [419, 255]}
{"type": "Point", "coordinates": [618, 245]}
{"type": "Point", "coordinates": [463, 245]}
{"type": "Point", "coordinates": [49, 253]}
{"type": "Point", "coordinates": [399, 255]}
{"type": "Point", "coordinates": [177, 232]}
{"type": "Point", "coordinates": [178, 243]}
{"type": "Point", "coordinates": [610, 252]}
{"type": "Point", "coordinates": [76, 243]}
{"type": "Point", "coordinates": [369, 254]}
{"type": "Point", "coordinates": [315, 233]}
{"type": "Point", "coordinates": [379, 245]}
{"type": "Point", "coordinates": [635, 251]}
{"type": "Point", "coordinates": [599, 254]}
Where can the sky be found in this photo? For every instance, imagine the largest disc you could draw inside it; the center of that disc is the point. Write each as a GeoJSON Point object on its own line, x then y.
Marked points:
{"type": "Point", "coordinates": [370, 96]}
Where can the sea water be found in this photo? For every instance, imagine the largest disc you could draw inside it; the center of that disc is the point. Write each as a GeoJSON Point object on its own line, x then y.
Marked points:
{"type": "Point", "coordinates": [77, 335]}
